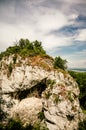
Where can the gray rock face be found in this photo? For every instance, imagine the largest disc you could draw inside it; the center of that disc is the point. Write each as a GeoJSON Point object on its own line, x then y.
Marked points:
{"type": "Point", "coordinates": [27, 110]}
{"type": "Point", "coordinates": [29, 90]}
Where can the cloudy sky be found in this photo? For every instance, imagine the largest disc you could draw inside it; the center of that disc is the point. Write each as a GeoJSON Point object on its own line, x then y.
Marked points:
{"type": "Point", "coordinates": [59, 24]}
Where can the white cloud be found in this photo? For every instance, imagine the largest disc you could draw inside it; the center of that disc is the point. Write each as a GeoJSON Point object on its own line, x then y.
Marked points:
{"type": "Point", "coordinates": [38, 20]}
{"type": "Point", "coordinates": [44, 20]}
{"type": "Point", "coordinates": [75, 1]}
{"type": "Point", "coordinates": [9, 34]}
{"type": "Point", "coordinates": [52, 41]}
{"type": "Point", "coordinates": [81, 53]}
{"type": "Point", "coordinates": [51, 19]}
{"type": "Point", "coordinates": [77, 59]}
{"type": "Point", "coordinates": [77, 63]}
{"type": "Point", "coordinates": [81, 35]}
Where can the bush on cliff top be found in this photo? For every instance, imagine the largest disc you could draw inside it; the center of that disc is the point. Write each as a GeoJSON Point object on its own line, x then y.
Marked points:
{"type": "Point", "coordinates": [25, 48]}
{"type": "Point", "coordinates": [60, 63]}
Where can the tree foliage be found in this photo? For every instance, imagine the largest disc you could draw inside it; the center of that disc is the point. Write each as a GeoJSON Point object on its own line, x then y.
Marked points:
{"type": "Point", "coordinates": [60, 63]}
{"type": "Point", "coordinates": [17, 125]}
{"type": "Point", "coordinates": [80, 78]}
{"type": "Point", "coordinates": [82, 125]}
{"type": "Point", "coordinates": [24, 48]}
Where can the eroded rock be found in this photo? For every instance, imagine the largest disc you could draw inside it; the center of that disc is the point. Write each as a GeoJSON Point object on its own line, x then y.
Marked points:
{"type": "Point", "coordinates": [30, 89]}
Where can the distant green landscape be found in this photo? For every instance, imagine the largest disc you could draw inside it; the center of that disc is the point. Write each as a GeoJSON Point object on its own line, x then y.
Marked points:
{"type": "Point", "coordinates": [80, 78]}
{"type": "Point", "coordinates": [78, 69]}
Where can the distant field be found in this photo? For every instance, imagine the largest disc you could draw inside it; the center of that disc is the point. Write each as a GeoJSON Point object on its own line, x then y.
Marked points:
{"type": "Point", "coordinates": [80, 77]}
{"type": "Point", "coordinates": [77, 69]}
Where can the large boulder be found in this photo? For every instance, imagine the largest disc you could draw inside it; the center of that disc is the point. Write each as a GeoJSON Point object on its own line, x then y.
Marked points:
{"type": "Point", "coordinates": [27, 110]}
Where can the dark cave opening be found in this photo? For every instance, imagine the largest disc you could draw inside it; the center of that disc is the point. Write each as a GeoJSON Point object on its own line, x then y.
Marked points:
{"type": "Point", "coordinates": [29, 92]}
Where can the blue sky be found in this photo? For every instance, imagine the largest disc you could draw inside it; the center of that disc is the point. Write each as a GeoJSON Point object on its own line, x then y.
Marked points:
{"type": "Point", "coordinates": [59, 24]}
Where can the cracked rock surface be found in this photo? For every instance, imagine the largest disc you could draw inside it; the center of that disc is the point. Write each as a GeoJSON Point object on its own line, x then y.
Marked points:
{"type": "Point", "coordinates": [31, 89]}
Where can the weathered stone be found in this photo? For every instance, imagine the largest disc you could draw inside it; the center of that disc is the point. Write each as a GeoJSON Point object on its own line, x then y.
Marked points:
{"type": "Point", "coordinates": [27, 110]}
{"type": "Point", "coordinates": [29, 90]}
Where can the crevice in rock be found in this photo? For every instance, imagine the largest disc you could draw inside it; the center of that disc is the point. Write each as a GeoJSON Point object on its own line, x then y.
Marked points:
{"type": "Point", "coordinates": [29, 92]}
{"type": "Point", "coordinates": [70, 117]}
{"type": "Point", "coordinates": [51, 122]}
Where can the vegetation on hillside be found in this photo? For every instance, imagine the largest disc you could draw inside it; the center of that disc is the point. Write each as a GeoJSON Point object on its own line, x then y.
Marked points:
{"type": "Point", "coordinates": [17, 125]}
{"type": "Point", "coordinates": [24, 48]}
{"type": "Point", "coordinates": [60, 63]}
{"type": "Point", "coordinates": [82, 125]}
{"type": "Point", "coordinates": [80, 78]}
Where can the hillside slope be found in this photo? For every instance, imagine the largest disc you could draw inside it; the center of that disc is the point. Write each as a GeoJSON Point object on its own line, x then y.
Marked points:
{"type": "Point", "coordinates": [34, 92]}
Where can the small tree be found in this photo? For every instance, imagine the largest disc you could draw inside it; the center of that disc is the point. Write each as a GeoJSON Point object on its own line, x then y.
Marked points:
{"type": "Point", "coordinates": [60, 63]}
{"type": "Point", "coordinates": [37, 44]}
{"type": "Point", "coordinates": [22, 43]}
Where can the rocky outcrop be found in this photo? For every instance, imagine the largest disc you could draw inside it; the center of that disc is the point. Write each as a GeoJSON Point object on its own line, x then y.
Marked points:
{"type": "Point", "coordinates": [31, 86]}
{"type": "Point", "coordinates": [27, 110]}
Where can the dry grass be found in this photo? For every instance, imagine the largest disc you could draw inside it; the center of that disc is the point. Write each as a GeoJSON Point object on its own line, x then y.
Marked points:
{"type": "Point", "coordinates": [40, 61]}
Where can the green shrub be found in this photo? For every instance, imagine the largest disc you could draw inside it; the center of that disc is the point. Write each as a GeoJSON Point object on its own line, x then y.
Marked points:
{"type": "Point", "coordinates": [50, 83]}
{"type": "Point", "coordinates": [1, 126]}
{"type": "Point", "coordinates": [80, 78]}
{"type": "Point", "coordinates": [17, 125]}
{"type": "Point", "coordinates": [14, 59]}
{"type": "Point", "coordinates": [47, 95]}
{"type": "Point", "coordinates": [14, 125]}
{"type": "Point", "coordinates": [41, 115]}
{"type": "Point", "coordinates": [1, 55]}
{"type": "Point", "coordinates": [56, 99]}
{"type": "Point", "coordinates": [3, 115]}
{"type": "Point", "coordinates": [39, 126]}
{"type": "Point", "coordinates": [60, 63]}
{"type": "Point", "coordinates": [70, 96]}
{"type": "Point", "coordinates": [82, 125]}
{"type": "Point", "coordinates": [24, 48]}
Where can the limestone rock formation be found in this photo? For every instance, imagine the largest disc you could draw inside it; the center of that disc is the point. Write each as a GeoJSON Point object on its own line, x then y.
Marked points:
{"type": "Point", "coordinates": [32, 85]}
